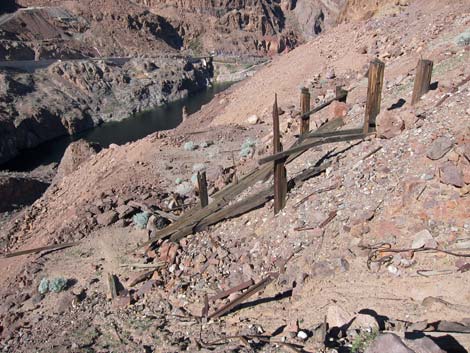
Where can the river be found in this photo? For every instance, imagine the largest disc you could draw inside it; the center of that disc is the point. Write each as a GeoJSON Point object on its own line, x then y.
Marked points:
{"type": "Point", "coordinates": [131, 129]}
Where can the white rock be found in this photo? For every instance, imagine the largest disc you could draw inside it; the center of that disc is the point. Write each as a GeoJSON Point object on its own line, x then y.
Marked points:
{"type": "Point", "coordinates": [302, 335]}
{"type": "Point", "coordinates": [253, 120]}
{"type": "Point", "coordinates": [423, 239]}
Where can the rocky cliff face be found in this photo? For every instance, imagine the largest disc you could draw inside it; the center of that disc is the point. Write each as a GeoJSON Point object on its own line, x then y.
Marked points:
{"type": "Point", "coordinates": [69, 97]}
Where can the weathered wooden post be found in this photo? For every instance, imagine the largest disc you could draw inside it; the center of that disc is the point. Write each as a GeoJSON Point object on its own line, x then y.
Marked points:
{"type": "Point", "coordinates": [280, 177]}
{"type": "Point", "coordinates": [305, 108]}
{"type": "Point", "coordinates": [422, 80]}
{"type": "Point", "coordinates": [374, 93]}
{"type": "Point", "coordinates": [341, 94]}
{"type": "Point", "coordinates": [202, 183]}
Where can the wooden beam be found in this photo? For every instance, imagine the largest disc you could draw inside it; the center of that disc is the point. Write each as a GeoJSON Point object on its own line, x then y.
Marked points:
{"type": "Point", "coordinates": [422, 80]}
{"type": "Point", "coordinates": [280, 179]}
{"type": "Point", "coordinates": [193, 219]}
{"type": "Point", "coordinates": [43, 248]}
{"type": "Point", "coordinates": [304, 147]}
{"type": "Point", "coordinates": [305, 108]}
{"type": "Point", "coordinates": [374, 93]}
{"type": "Point", "coordinates": [202, 183]}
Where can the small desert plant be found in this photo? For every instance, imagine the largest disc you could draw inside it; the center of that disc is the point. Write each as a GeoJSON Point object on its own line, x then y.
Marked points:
{"type": "Point", "coordinates": [363, 340]}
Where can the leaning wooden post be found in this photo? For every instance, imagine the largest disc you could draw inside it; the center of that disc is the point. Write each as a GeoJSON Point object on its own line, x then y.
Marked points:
{"type": "Point", "coordinates": [341, 94]}
{"type": "Point", "coordinates": [422, 80]}
{"type": "Point", "coordinates": [202, 183]}
{"type": "Point", "coordinates": [280, 177]}
{"type": "Point", "coordinates": [374, 93]}
{"type": "Point", "coordinates": [305, 108]}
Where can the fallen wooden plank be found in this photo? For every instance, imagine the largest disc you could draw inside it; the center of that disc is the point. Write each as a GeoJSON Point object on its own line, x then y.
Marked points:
{"type": "Point", "coordinates": [242, 297]}
{"type": "Point", "coordinates": [43, 248]}
{"type": "Point", "coordinates": [307, 146]}
{"type": "Point", "coordinates": [246, 205]}
{"type": "Point", "coordinates": [226, 293]}
{"type": "Point", "coordinates": [189, 221]}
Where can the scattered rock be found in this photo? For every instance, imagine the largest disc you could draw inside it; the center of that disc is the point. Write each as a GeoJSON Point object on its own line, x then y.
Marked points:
{"type": "Point", "coordinates": [439, 148]}
{"type": "Point", "coordinates": [364, 322]}
{"type": "Point", "coordinates": [330, 74]}
{"type": "Point", "coordinates": [389, 343]}
{"type": "Point", "coordinates": [424, 345]}
{"type": "Point", "coordinates": [107, 218]}
{"type": "Point", "coordinates": [337, 317]}
{"type": "Point", "coordinates": [302, 335]}
{"type": "Point", "coordinates": [253, 120]}
{"type": "Point", "coordinates": [189, 146]}
{"type": "Point", "coordinates": [423, 239]}
{"type": "Point", "coordinates": [389, 124]}
{"type": "Point", "coordinates": [451, 175]}
{"type": "Point", "coordinates": [339, 109]}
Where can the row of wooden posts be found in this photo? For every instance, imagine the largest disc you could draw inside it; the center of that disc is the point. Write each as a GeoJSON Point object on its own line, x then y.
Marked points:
{"type": "Point", "coordinates": [374, 97]}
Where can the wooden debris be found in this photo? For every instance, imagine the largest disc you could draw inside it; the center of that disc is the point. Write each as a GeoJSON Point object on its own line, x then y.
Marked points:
{"type": "Point", "coordinates": [226, 293]}
{"type": "Point", "coordinates": [202, 183]}
{"type": "Point", "coordinates": [197, 215]}
{"type": "Point", "coordinates": [137, 265]}
{"type": "Point", "coordinates": [318, 191]}
{"type": "Point", "coordinates": [43, 248]}
{"type": "Point", "coordinates": [280, 178]}
{"type": "Point", "coordinates": [331, 216]}
{"type": "Point", "coordinates": [112, 286]}
{"type": "Point", "coordinates": [242, 297]}
{"type": "Point", "coordinates": [307, 146]}
{"type": "Point", "coordinates": [374, 93]}
{"type": "Point", "coordinates": [422, 80]}
{"type": "Point", "coordinates": [143, 277]}
{"type": "Point", "coordinates": [304, 107]}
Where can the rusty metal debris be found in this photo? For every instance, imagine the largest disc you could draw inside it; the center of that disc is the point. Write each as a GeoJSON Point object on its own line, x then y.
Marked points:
{"type": "Point", "coordinates": [381, 253]}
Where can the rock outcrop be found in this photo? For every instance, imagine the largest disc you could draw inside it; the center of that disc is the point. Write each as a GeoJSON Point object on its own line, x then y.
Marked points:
{"type": "Point", "coordinates": [72, 96]}
{"type": "Point", "coordinates": [17, 189]}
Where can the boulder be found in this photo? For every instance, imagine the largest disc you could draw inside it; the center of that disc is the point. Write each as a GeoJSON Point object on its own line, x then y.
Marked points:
{"type": "Point", "coordinates": [75, 154]}
{"type": "Point", "coordinates": [364, 322]}
{"type": "Point", "coordinates": [424, 345]}
{"type": "Point", "coordinates": [389, 124]}
{"type": "Point", "coordinates": [389, 343]}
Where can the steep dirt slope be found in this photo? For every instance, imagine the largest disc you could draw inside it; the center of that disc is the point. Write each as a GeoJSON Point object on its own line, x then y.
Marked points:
{"type": "Point", "coordinates": [405, 189]}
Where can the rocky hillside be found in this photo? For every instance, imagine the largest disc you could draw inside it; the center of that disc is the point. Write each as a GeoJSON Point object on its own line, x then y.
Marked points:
{"type": "Point", "coordinates": [371, 255]}
{"type": "Point", "coordinates": [256, 27]}
{"type": "Point", "coordinates": [71, 96]}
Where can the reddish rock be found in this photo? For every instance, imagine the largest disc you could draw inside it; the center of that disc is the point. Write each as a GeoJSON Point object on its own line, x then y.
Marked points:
{"type": "Point", "coordinates": [339, 109]}
{"type": "Point", "coordinates": [75, 154]}
{"type": "Point", "coordinates": [389, 124]}
{"type": "Point", "coordinates": [451, 175]}
{"type": "Point", "coordinates": [107, 218]}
